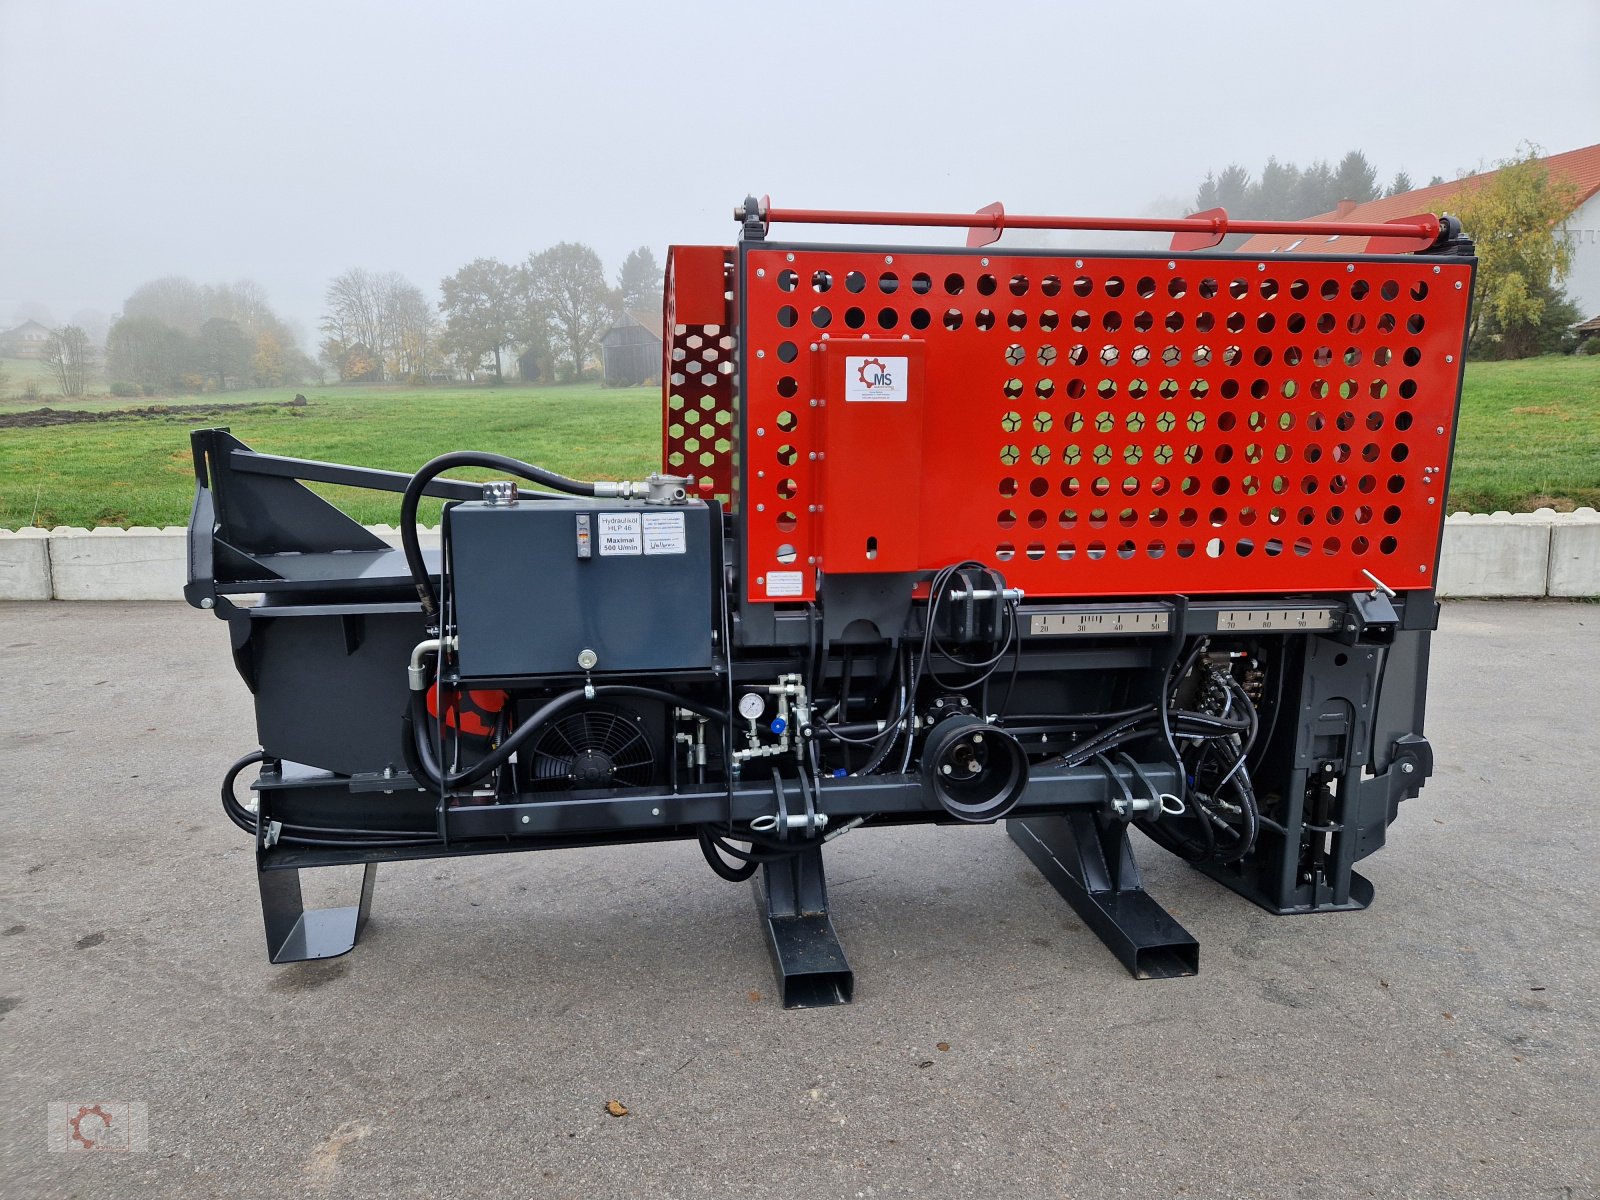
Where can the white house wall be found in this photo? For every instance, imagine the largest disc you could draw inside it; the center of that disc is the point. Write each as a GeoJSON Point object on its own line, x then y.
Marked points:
{"type": "Point", "coordinates": [1583, 284]}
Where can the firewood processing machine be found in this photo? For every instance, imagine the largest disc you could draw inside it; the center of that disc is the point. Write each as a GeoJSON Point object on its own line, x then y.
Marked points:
{"type": "Point", "coordinates": [1087, 543]}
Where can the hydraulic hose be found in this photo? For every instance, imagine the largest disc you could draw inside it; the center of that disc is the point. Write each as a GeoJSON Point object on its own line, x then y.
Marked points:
{"type": "Point", "coordinates": [435, 467]}
{"type": "Point", "coordinates": [346, 839]}
{"type": "Point", "coordinates": [723, 868]}
{"type": "Point", "coordinates": [238, 813]}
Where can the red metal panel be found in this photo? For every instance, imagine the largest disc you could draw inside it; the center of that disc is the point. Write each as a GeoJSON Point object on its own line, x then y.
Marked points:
{"type": "Point", "coordinates": [699, 417]}
{"type": "Point", "coordinates": [1113, 426]}
{"type": "Point", "coordinates": [872, 465]}
{"type": "Point", "coordinates": [698, 283]}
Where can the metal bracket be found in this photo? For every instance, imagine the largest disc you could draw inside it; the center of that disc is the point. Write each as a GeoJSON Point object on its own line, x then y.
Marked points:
{"type": "Point", "coordinates": [1369, 620]}
{"type": "Point", "coordinates": [752, 218]}
{"type": "Point", "coordinates": [792, 894]}
{"type": "Point", "coordinates": [295, 935]}
{"type": "Point", "coordinates": [1091, 864]}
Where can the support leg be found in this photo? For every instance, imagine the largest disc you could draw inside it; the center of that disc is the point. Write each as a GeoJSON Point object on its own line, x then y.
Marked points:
{"type": "Point", "coordinates": [295, 935]}
{"type": "Point", "coordinates": [792, 894]}
{"type": "Point", "coordinates": [1091, 864]}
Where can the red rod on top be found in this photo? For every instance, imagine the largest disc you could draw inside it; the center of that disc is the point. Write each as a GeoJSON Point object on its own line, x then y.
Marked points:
{"type": "Point", "coordinates": [1195, 232]}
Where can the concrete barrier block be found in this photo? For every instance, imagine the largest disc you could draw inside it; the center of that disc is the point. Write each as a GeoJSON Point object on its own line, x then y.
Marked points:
{"type": "Point", "coordinates": [1501, 554]}
{"type": "Point", "coordinates": [1505, 555]}
{"type": "Point", "coordinates": [118, 564]}
{"type": "Point", "coordinates": [25, 565]}
{"type": "Point", "coordinates": [1575, 553]}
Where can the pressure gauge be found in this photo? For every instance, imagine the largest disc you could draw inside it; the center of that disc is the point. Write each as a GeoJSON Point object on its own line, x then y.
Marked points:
{"type": "Point", "coordinates": [751, 706]}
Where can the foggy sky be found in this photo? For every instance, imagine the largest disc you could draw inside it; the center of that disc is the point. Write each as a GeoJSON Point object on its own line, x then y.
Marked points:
{"type": "Point", "coordinates": [286, 142]}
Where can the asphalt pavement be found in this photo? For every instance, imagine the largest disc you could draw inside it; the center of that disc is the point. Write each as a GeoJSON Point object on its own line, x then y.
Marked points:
{"type": "Point", "coordinates": [1446, 1042]}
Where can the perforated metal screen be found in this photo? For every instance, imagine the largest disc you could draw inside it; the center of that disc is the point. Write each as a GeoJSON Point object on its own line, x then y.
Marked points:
{"type": "Point", "coordinates": [698, 419]}
{"type": "Point", "coordinates": [1099, 426]}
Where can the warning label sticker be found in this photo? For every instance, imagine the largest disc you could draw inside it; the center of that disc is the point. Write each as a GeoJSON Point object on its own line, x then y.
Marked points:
{"type": "Point", "coordinates": [663, 533]}
{"type": "Point", "coordinates": [619, 533]}
{"type": "Point", "coordinates": [875, 378]}
{"type": "Point", "coordinates": [785, 583]}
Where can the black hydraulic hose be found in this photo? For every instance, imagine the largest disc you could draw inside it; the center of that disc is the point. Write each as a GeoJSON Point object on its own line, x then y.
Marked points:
{"type": "Point", "coordinates": [720, 865]}
{"type": "Point", "coordinates": [435, 467]}
{"type": "Point", "coordinates": [357, 839]}
{"type": "Point", "coordinates": [522, 733]}
{"type": "Point", "coordinates": [238, 813]}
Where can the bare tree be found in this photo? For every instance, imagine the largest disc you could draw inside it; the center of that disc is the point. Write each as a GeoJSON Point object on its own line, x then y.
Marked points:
{"type": "Point", "coordinates": [377, 325]}
{"type": "Point", "coordinates": [354, 318]}
{"type": "Point", "coordinates": [414, 340]}
{"type": "Point", "coordinates": [69, 355]}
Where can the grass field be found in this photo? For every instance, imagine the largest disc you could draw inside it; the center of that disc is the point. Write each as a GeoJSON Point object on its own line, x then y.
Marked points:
{"type": "Point", "coordinates": [1530, 435]}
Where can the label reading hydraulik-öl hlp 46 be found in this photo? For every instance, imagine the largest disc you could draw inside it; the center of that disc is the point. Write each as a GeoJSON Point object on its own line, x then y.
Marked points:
{"type": "Point", "coordinates": [641, 533]}
{"type": "Point", "coordinates": [618, 533]}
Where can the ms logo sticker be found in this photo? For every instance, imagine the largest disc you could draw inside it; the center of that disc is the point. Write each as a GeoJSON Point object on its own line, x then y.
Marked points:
{"type": "Point", "coordinates": [875, 379]}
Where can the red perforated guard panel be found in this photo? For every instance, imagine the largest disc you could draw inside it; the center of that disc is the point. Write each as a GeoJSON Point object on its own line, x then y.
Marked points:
{"type": "Point", "coordinates": [698, 437]}
{"type": "Point", "coordinates": [1111, 426]}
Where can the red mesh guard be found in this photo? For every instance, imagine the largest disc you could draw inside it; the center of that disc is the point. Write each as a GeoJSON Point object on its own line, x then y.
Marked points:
{"type": "Point", "coordinates": [1102, 426]}
{"type": "Point", "coordinates": [698, 431]}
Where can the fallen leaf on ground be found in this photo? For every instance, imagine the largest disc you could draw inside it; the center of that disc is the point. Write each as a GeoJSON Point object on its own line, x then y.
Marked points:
{"type": "Point", "coordinates": [616, 1108]}
{"type": "Point", "coordinates": [944, 1045]}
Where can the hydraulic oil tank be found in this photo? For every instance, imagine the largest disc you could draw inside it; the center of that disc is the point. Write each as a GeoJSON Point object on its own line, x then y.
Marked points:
{"type": "Point", "coordinates": [554, 586]}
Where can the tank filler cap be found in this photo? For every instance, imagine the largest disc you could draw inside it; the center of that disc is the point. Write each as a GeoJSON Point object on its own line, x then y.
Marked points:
{"type": "Point", "coordinates": [655, 489]}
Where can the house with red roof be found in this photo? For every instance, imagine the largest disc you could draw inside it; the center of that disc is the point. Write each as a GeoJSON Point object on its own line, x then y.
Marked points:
{"type": "Point", "coordinates": [1581, 167]}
